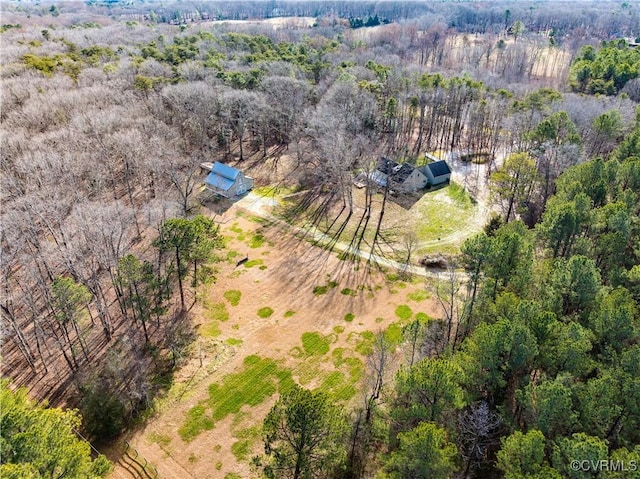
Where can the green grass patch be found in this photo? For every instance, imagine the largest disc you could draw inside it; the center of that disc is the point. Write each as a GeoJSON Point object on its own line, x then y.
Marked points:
{"type": "Point", "coordinates": [254, 262]}
{"type": "Point", "coordinates": [217, 312]}
{"type": "Point", "coordinates": [241, 449]}
{"type": "Point", "coordinates": [348, 292]}
{"type": "Point", "coordinates": [393, 334]}
{"type": "Point", "coordinates": [338, 357]}
{"type": "Point", "coordinates": [363, 342]}
{"type": "Point", "coordinates": [218, 465]}
{"type": "Point", "coordinates": [315, 344]}
{"type": "Point", "coordinates": [233, 296]}
{"type": "Point", "coordinates": [392, 277]}
{"type": "Point", "coordinates": [197, 421]}
{"type": "Point", "coordinates": [256, 241]}
{"type": "Point", "coordinates": [232, 255]}
{"type": "Point", "coordinates": [349, 317]}
{"type": "Point", "coordinates": [320, 290]}
{"type": "Point", "coordinates": [259, 379]}
{"type": "Point", "coordinates": [263, 267]}
{"type": "Point", "coordinates": [234, 342]}
{"type": "Point", "coordinates": [210, 330]}
{"type": "Point", "coordinates": [235, 228]}
{"type": "Point", "coordinates": [333, 380]}
{"type": "Point", "coordinates": [458, 194]}
{"type": "Point", "coordinates": [419, 295]}
{"type": "Point", "coordinates": [404, 312]}
{"type": "Point", "coordinates": [289, 313]}
{"type": "Point", "coordinates": [423, 317]}
{"type": "Point", "coordinates": [338, 329]}
{"type": "Point", "coordinates": [379, 320]}
{"type": "Point", "coordinates": [232, 475]}
{"type": "Point", "coordinates": [265, 312]}
{"type": "Point", "coordinates": [251, 433]}
{"type": "Point", "coordinates": [160, 439]}
{"type": "Point", "coordinates": [436, 216]}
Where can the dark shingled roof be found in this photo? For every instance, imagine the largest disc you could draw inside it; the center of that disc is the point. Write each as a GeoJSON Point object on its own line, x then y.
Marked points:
{"type": "Point", "coordinates": [397, 172]}
{"type": "Point", "coordinates": [439, 168]}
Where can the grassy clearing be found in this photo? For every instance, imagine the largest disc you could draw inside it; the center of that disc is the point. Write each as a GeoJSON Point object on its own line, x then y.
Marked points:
{"type": "Point", "coordinates": [441, 213]}
{"type": "Point", "coordinates": [458, 194]}
{"type": "Point", "coordinates": [349, 317]}
{"type": "Point", "coordinates": [265, 312]}
{"type": "Point", "coordinates": [233, 296]}
{"type": "Point", "coordinates": [362, 342]}
{"type": "Point", "coordinates": [197, 421]}
{"type": "Point", "coordinates": [234, 341]}
{"type": "Point", "coordinates": [254, 262]}
{"type": "Point", "coordinates": [256, 240]}
{"type": "Point", "coordinates": [258, 380]}
{"type": "Point", "coordinates": [241, 449]}
{"type": "Point", "coordinates": [393, 334]}
{"type": "Point", "coordinates": [404, 312]}
{"type": "Point", "coordinates": [419, 295]}
{"type": "Point", "coordinates": [210, 330]}
{"type": "Point", "coordinates": [216, 312]}
{"type": "Point", "coordinates": [315, 344]}
{"type": "Point", "coordinates": [231, 256]}
{"type": "Point", "coordinates": [423, 317]}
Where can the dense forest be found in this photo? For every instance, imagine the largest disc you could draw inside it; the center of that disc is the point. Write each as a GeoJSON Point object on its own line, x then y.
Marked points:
{"type": "Point", "coordinates": [108, 110]}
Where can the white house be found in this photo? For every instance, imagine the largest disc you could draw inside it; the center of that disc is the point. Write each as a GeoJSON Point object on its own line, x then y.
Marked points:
{"type": "Point", "coordinates": [437, 172]}
{"type": "Point", "coordinates": [401, 177]}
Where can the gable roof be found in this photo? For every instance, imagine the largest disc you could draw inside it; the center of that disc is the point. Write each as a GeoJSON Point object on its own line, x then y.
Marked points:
{"type": "Point", "coordinates": [439, 168]}
{"type": "Point", "coordinates": [222, 176]}
{"type": "Point", "coordinates": [394, 170]}
{"type": "Point", "coordinates": [386, 166]}
{"type": "Point", "coordinates": [226, 171]}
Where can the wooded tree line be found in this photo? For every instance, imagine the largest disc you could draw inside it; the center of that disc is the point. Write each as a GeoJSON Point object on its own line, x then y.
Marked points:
{"type": "Point", "coordinates": [539, 369]}
{"type": "Point", "coordinates": [41, 442]}
{"type": "Point", "coordinates": [104, 126]}
{"type": "Point", "coordinates": [593, 19]}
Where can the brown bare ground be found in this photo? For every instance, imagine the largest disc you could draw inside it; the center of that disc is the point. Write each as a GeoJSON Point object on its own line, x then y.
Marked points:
{"type": "Point", "coordinates": [293, 268]}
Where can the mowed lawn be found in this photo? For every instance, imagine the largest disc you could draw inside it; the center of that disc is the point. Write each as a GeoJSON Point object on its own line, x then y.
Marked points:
{"type": "Point", "coordinates": [441, 219]}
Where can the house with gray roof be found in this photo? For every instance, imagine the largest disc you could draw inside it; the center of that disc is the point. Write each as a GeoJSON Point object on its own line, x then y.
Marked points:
{"type": "Point", "coordinates": [437, 172]}
{"type": "Point", "coordinates": [227, 181]}
{"type": "Point", "coordinates": [401, 177]}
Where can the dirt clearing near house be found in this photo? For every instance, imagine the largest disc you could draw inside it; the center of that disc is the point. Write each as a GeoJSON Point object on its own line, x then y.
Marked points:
{"type": "Point", "coordinates": [291, 312]}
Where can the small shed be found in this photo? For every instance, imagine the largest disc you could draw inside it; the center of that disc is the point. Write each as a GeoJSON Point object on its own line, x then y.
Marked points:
{"type": "Point", "coordinates": [227, 181]}
{"type": "Point", "coordinates": [437, 172]}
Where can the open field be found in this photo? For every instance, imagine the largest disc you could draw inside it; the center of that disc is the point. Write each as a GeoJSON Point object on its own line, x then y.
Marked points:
{"type": "Point", "coordinates": [293, 312]}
